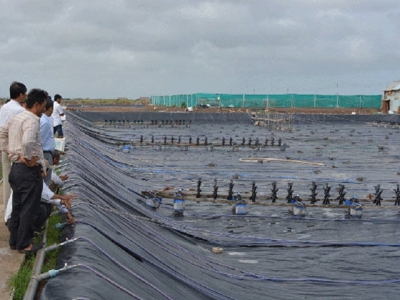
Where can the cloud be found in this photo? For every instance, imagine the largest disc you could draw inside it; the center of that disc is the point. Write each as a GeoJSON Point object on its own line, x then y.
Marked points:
{"type": "Point", "coordinates": [142, 48]}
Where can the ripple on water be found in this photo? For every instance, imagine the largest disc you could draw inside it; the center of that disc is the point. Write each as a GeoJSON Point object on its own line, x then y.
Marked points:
{"type": "Point", "coordinates": [248, 261]}
{"type": "Point", "coordinates": [330, 213]}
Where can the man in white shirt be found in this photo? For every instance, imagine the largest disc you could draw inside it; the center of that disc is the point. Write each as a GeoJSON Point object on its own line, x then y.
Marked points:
{"type": "Point", "coordinates": [58, 112]}
{"type": "Point", "coordinates": [57, 181]}
{"type": "Point", "coordinates": [49, 198]}
{"type": "Point", "coordinates": [7, 111]}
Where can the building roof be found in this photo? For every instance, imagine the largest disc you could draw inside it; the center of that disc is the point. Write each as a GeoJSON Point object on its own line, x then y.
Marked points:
{"type": "Point", "coordinates": [394, 86]}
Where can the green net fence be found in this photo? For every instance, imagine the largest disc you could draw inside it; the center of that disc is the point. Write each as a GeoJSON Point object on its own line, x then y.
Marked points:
{"type": "Point", "coordinates": [269, 100]}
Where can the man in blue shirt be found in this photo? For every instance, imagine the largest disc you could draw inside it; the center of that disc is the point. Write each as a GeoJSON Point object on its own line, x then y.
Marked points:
{"type": "Point", "coordinates": [47, 136]}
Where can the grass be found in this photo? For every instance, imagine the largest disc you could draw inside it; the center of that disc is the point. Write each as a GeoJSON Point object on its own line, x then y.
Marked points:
{"type": "Point", "coordinates": [53, 237]}
{"type": "Point", "coordinates": [20, 281]}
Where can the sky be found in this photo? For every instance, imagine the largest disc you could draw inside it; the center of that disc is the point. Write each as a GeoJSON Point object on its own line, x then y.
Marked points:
{"type": "Point", "coordinates": [140, 48]}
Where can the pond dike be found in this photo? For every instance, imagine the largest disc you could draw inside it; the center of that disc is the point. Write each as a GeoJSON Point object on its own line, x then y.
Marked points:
{"type": "Point", "coordinates": [166, 118]}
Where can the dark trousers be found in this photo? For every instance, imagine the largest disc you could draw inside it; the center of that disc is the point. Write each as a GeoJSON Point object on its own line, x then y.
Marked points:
{"type": "Point", "coordinates": [44, 214]}
{"type": "Point", "coordinates": [58, 129]}
{"type": "Point", "coordinates": [27, 185]}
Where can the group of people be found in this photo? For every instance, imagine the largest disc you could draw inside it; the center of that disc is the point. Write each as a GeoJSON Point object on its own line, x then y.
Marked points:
{"type": "Point", "coordinates": [28, 124]}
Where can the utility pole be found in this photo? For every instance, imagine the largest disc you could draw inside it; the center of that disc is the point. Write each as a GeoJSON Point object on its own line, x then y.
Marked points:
{"type": "Point", "coordinates": [337, 95]}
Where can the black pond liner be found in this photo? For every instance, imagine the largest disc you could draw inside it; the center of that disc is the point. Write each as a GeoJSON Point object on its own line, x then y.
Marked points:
{"type": "Point", "coordinates": [125, 250]}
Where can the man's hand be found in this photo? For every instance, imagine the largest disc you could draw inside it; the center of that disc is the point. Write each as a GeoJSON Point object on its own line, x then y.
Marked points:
{"type": "Point", "coordinates": [68, 197]}
{"type": "Point", "coordinates": [33, 162]}
{"type": "Point", "coordinates": [67, 200]}
{"type": "Point", "coordinates": [63, 177]}
{"type": "Point", "coordinates": [70, 219]}
{"type": "Point", "coordinates": [67, 203]}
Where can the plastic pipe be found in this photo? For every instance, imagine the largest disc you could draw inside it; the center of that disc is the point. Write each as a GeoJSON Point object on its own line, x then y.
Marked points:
{"type": "Point", "coordinates": [37, 268]}
{"type": "Point", "coordinates": [53, 273]}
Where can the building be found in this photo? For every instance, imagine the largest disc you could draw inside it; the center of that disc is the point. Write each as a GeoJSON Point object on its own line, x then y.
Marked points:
{"type": "Point", "coordinates": [391, 98]}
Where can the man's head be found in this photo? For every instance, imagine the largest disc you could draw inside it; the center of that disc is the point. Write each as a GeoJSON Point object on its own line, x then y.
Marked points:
{"type": "Point", "coordinates": [57, 98]}
{"type": "Point", "coordinates": [18, 91]}
{"type": "Point", "coordinates": [49, 106]}
{"type": "Point", "coordinates": [56, 157]}
{"type": "Point", "coordinates": [36, 101]}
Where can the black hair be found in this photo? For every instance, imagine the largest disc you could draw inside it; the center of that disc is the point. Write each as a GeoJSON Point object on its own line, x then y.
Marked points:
{"type": "Point", "coordinates": [17, 88]}
{"type": "Point", "coordinates": [35, 96]}
{"type": "Point", "coordinates": [49, 103]}
{"type": "Point", "coordinates": [57, 96]}
{"type": "Point", "coordinates": [56, 154]}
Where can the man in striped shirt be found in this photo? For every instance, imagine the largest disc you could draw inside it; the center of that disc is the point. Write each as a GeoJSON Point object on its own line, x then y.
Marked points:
{"type": "Point", "coordinates": [20, 138]}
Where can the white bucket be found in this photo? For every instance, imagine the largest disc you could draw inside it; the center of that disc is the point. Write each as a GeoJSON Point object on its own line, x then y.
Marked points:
{"type": "Point", "coordinates": [60, 144]}
{"type": "Point", "coordinates": [241, 209]}
{"type": "Point", "coordinates": [179, 205]}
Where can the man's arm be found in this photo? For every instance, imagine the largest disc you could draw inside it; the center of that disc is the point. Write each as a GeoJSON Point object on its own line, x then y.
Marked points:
{"type": "Point", "coordinates": [47, 194]}
{"type": "Point", "coordinates": [31, 143]}
{"type": "Point", "coordinates": [55, 199]}
{"type": "Point", "coordinates": [58, 180]}
{"type": "Point", "coordinates": [4, 138]}
{"type": "Point", "coordinates": [60, 110]}
{"type": "Point", "coordinates": [70, 218]}
{"type": "Point", "coordinates": [64, 199]}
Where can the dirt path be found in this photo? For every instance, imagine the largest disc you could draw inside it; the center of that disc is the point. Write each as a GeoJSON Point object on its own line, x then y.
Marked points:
{"type": "Point", "coordinates": [10, 261]}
